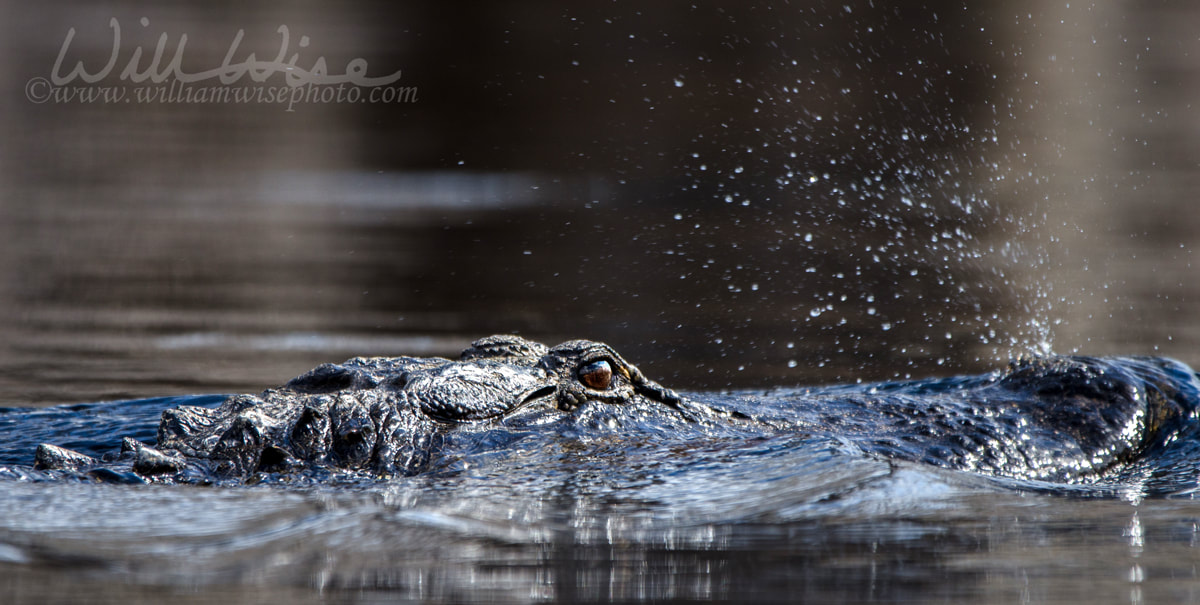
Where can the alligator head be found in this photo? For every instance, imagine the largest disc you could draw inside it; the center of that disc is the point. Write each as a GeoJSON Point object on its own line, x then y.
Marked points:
{"type": "Point", "coordinates": [382, 414]}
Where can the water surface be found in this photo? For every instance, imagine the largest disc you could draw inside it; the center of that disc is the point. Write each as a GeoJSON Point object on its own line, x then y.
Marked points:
{"type": "Point", "coordinates": [781, 518]}
{"type": "Point", "coordinates": [732, 195]}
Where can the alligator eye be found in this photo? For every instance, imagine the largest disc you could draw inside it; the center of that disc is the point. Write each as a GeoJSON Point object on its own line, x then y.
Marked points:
{"type": "Point", "coordinates": [596, 375]}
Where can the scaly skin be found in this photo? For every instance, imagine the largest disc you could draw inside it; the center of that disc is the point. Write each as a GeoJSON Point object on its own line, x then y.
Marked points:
{"type": "Point", "coordinates": [381, 414]}
{"type": "Point", "coordinates": [1061, 419]}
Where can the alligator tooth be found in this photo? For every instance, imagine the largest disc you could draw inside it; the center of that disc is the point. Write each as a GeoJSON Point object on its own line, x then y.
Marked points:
{"type": "Point", "coordinates": [51, 457]}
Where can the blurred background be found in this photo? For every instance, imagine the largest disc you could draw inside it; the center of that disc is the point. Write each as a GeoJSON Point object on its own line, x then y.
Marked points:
{"type": "Point", "coordinates": [734, 194]}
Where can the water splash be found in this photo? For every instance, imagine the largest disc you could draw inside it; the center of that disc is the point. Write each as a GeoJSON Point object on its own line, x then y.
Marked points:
{"type": "Point", "coordinates": [873, 206]}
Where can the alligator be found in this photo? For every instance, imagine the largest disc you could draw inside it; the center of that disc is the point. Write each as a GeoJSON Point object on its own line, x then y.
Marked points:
{"type": "Point", "coordinates": [1062, 419]}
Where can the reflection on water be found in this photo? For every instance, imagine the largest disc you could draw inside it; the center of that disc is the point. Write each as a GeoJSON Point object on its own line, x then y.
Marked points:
{"type": "Point", "coordinates": [734, 194]}
{"type": "Point", "coordinates": [889, 543]}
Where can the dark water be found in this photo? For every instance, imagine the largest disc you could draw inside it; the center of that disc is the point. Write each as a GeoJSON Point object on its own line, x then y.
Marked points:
{"type": "Point", "coordinates": [734, 195]}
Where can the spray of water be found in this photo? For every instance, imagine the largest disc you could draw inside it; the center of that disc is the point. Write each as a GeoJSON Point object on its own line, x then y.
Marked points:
{"type": "Point", "coordinates": [870, 191]}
